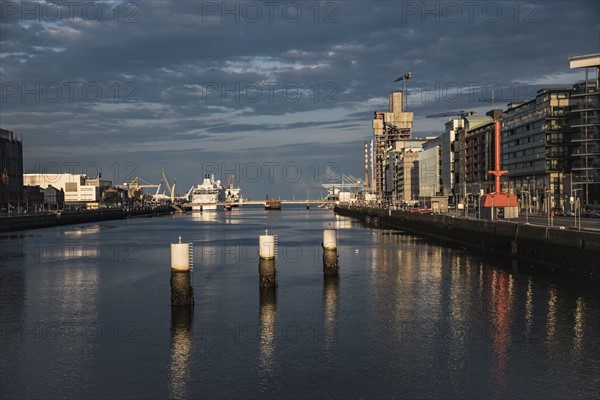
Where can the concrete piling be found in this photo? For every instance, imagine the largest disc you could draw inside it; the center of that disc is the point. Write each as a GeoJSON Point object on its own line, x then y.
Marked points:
{"type": "Point", "coordinates": [267, 246]}
{"type": "Point", "coordinates": [329, 239]}
{"type": "Point", "coordinates": [330, 262]}
{"type": "Point", "coordinates": [267, 273]}
{"type": "Point", "coordinates": [182, 292]}
{"type": "Point", "coordinates": [180, 256]}
{"type": "Point", "coordinates": [330, 255]}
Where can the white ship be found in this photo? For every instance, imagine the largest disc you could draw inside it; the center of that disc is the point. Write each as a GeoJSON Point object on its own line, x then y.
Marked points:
{"type": "Point", "coordinates": [206, 196]}
{"type": "Point", "coordinates": [232, 194]}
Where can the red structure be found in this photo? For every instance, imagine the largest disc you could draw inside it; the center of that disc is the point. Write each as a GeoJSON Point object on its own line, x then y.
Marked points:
{"type": "Point", "coordinates": [498, 198]}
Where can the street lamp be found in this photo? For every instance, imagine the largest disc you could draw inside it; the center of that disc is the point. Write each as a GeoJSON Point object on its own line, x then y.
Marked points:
{"type": "Point", "coordinates": [577, 208]}
{"type": "Point", "coordinates": [528, 197]}
{"type": "Point", "coordinates": [548, 192]}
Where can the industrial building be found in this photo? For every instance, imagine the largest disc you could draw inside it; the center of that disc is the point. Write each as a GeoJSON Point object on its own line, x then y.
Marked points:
{"type": "Point", "coordinates": [402, 171]}
{"type": "Point", "coordinates": [388, 128]}
{"type": "Point", "coordinates": [11, 169]}
{"type": "Point", "coordinates": [78, 188]}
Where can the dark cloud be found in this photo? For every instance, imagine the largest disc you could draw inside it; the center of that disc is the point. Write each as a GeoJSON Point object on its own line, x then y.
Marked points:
{"type": "Point", "coordinates": [186, 81]}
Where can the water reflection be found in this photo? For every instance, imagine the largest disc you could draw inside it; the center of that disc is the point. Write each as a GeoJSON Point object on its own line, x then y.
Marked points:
{"type": "Point", "coordinates": [53, 252]}
{"type": "Point", "coordinates": [342, 223]}
{"type": "Point", "coordinates": [403, 311]}
{"type": "Point", "coordinates": [88, 230]}
{"type": "Point", "coordinates": [330, 307]}
{"type": "Point", "coordinates": [267, 273]}
{"type": "Point", "coordinates": [551, 318]}
{"type": "Point", "coordinates": [330, 262]}
{"type": "Point", "coordinates": [181, 350]}
{"type": "Point", "coordinates": [501, 335]}
{"type": "Point", "coordinates": [204, 216]}
{"type": "Point", "coordinates": [268, 319]}
{"type": "Point", "coordinates": [529, 308]}
{"type": "Point", "coordinates": [578, 327]}
{"type": "Point", "coordinates": [232, 217]}
{"type": "Point", "coordinates": [182, 292]}
{"type": "Point", "coordinates": [67, 300]}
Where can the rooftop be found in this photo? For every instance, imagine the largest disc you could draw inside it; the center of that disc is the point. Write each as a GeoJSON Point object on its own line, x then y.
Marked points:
{"type": "Point", "coordinates": [588, 60]}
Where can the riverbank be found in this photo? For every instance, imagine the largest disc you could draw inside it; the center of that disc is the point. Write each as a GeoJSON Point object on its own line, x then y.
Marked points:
{"type": "Point", "coordinates": [24, 222]}
{"type": "Point", "coordinates": [553, 247]}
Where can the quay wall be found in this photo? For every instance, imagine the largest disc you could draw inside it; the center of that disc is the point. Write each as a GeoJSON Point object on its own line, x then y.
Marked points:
{"type": "Point", "coordinates": [24, 222]}
{"type": "Point", "coordinates": [555, 248]}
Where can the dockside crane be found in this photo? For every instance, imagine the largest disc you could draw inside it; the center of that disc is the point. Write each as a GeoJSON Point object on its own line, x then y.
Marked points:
{"type": "Point", "coordinates": [494, 99]}
{"type": "Point", "coordinates": [461, 113]}
{"type": "Point", "coordinates": [170, 189]}
{"type": "Point", "coordinates": [135, 189]}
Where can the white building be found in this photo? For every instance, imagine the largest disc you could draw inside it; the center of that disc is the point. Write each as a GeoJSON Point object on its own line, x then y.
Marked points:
{"type": "Point", "coordinates": [402, 170]}
{"type": "Point", "coordinates": [430, 168]}
{"type": "Point", "coordinates": [448, 142]}
{"type": "Point", "coordinates": [78, 188]}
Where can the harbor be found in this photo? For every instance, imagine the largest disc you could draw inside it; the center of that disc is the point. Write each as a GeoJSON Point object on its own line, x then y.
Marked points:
{"type": "Point", "coordinates": [411, 314]}
{"type": "Point", "coordinates": [353, 200]}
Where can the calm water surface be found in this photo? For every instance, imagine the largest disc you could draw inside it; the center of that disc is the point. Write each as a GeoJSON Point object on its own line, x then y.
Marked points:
{"type": "Point", "coordinates": [85, 313]}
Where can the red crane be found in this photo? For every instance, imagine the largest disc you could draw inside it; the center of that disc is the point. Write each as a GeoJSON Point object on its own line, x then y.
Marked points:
{"type": "Point", "coordinates": [498, 199]}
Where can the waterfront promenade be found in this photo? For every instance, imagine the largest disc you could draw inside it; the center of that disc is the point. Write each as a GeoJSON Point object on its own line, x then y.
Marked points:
{"type": "Point", "coordinates": [549, 246]}
{"type": "Point", "coordinates": [16, 222]}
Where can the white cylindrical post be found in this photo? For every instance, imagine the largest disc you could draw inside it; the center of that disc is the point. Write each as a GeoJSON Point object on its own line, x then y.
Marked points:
{"type": "Point", "coordinates": [330, 239]}
{"type": "Point", "coordinates": [266, 249]}
{"type": "Point", "coordinates": [180, 256]}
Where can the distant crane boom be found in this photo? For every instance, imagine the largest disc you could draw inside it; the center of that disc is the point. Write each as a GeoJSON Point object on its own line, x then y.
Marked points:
{"type": "Point", "coordinates": [170, 189]}
{"type": "Point", "coordinates": [461, 113]}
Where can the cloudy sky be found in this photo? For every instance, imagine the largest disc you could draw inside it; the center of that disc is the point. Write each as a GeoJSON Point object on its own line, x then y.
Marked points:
{"type": "Point", "coordinates": [279, 93]}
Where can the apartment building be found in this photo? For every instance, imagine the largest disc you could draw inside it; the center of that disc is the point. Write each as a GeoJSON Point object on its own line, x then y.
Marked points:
{"type": "Point", "coordinates": [536, 137]}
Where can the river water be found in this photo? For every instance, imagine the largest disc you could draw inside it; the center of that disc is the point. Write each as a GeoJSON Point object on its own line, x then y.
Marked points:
{"type": "Point", "coordinates": [85, 313]}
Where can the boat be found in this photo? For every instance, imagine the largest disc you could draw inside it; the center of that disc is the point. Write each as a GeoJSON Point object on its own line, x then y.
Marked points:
{"type": "Point", "coordinates": [272, 204]}
{"type": "Point", "coordinates": [227, 207]}
{"type": "Point", "coordinates": [206, 195]}
{"type": "Point", "coordinates": [232, 194]}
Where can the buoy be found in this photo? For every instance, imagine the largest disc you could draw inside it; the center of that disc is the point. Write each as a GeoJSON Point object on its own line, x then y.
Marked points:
{"type": "Point", "coordinates": [180, 256]}
{"type": "Point", "coordinates": [329, 239]}
{"type": "Point", "coordinates": [267, 246]}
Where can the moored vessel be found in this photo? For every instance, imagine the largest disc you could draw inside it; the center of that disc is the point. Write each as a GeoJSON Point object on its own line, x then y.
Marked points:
{"type": "Point", "coordinates": [272, 204]}
{"type": "Point", "coordinates": [206, 195]}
